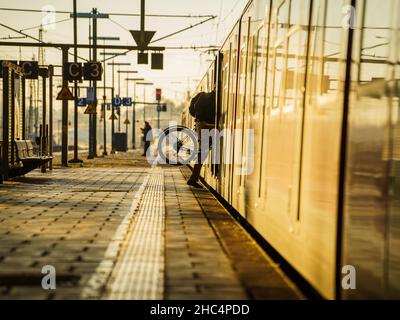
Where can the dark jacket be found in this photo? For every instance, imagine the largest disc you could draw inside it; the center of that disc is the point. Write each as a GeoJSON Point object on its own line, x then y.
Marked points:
{"type": "Point", "coordinates": [202, 107]}
{"type": "Point", "coordinates": [145, 130]}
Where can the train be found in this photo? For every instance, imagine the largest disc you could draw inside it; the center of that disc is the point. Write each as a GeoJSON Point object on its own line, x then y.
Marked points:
{"type": "Point", "coordinates": [311, 90]}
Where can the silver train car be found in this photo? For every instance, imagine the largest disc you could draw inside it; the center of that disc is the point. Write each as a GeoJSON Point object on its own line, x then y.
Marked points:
{"type": "Point", "coordinates": [311, 90]}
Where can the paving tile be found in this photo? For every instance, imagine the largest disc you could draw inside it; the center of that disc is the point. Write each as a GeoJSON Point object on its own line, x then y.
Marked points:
{"type": "Point", "coordinates": [60, 221]}
{"type": "Point", "coordinates": [68, 217]}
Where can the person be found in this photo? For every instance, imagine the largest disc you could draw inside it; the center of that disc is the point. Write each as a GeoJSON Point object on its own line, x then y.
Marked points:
{"type": "Point", "coordinates": [202, 107]}
{"type": "Point", "coordinates": [146, 136]}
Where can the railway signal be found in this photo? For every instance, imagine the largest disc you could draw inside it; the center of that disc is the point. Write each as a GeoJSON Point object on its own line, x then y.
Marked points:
{"type": "Point", "coordinates": [116, 102]}
{"type": "Point", "coordinates": [158, 94]}
{"type": "Point", "coordinates": [82, 102]}
{"type": "Point", "coordinates": [30, 69]}
{"type": "Point", "coordinates": [157, 61]}
{"type": "Point", "coordinates": [92, 71]}
{"type": "Point", "coordinates": [72, 71]}
{"type": "Point", "coordinates": [127, 102]}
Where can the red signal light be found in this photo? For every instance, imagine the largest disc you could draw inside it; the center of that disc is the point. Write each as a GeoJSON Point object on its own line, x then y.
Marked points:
{"type": "Point", "coordinates": [158, 94]}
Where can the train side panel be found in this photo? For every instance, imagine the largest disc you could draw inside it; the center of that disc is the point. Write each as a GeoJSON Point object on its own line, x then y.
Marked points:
{"type": "Point", "coordinates": [372, 210]}
{"type": "Point", "coordinates": [283, 85]}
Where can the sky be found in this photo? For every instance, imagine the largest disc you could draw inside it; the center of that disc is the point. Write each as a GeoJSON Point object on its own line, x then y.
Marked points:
{"type": "Point", "coordinates": [182, 68]}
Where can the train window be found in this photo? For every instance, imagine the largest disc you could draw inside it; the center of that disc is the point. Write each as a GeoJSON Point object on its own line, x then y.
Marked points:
{"type": "Point", "coordinates": [252, 61]}
{"type": "Point", "coordinates": [315, 49]}
{"type": "Point", "coordinates": [264, 100]}
{"type": "Point", "coordinates": [332, 48]}
{"type": "Point", "coordinates": [244, 82]}
{"type": "Point", "coordinates": [327, 49]}
{"type": "Point", "coordinates": [296, 54]}
{"type": "Point", "coordinates": [233, 76]}
{"type": "Point", "coordinates": [376, 39]}
{"type": "Point", "coordinates": [279, 29]}
{"type": "Point", "coordinates": [225, 78]}
{"type": "Point", "coordinates": [283, 22]}
{"type": "Point", "coordinates": [278, 65]}
{"type": "Point", "coordinates": [292, 71]}
{"type": "Point", "coordinates": [225, 102]}
{"type": "Point", "coordinates": [260, 60]}
{"type": "Point", "coordinates": [299, 13]}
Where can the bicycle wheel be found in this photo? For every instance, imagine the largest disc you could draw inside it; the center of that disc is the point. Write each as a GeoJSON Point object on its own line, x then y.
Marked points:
{"type": "Point", "coordinates": [177, 145]}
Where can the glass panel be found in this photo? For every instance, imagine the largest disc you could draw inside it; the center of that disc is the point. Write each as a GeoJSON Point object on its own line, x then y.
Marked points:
{"type": "Point", "coordinates": [375, 41]}
{"type": "Point", "coordinates": [279, 29]}
{"type": "Point", "coordinates": [17, 109]}
{"type": "Point", "coordinates": [332, 49]}
{"type": "Point", "coordinates": [260, 64]}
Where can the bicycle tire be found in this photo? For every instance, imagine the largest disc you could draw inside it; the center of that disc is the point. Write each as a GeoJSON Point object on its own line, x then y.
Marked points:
{"type": "Point", "coordinates": [176, 160]}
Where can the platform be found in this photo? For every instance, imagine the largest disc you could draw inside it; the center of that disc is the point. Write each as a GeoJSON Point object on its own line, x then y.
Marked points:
{"type": "Point", "coordinates": [130, 231]}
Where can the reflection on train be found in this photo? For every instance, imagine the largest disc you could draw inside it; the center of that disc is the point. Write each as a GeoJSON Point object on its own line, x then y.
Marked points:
{"type": "Point", "coordinates": [319, 89]}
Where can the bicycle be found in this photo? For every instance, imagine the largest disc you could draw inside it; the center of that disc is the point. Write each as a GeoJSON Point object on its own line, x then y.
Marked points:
{"type": "Point", "coordinates": [178, 145]}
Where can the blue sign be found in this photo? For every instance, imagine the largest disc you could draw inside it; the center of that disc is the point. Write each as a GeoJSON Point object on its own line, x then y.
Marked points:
{"type": "Point", "coordinates": [127, 102]}
{"type": "Point", "coordinates": [116, 102]}
{"type": "Point", "coordinates": [90, 94]}
{"type": "Point", "coordinates": [82, 102]}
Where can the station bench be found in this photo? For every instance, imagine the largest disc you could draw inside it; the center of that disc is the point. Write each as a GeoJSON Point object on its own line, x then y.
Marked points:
{"type": "Point", "coordinates": [27, 156]}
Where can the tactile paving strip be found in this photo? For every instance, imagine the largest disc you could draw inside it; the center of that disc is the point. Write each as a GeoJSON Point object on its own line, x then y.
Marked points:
{"type": "Point", "coordinates": [139, 272]}
{"type": "Point", "coordinates": [99, 279]}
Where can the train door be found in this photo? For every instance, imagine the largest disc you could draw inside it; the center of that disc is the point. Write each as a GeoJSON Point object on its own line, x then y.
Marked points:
{"type": "Point", "coordinates": [256, 108]}
{"type": "Point", "coordinates": [208, 165]}
{"type": "Point", "coordinates": [239, 157]}
{"type": "Point", "coordinates": [320, 167]}
{"type": "Point", "coordinates": [371, 234]}
{"type": "Point", "coordinates": [262, 100]}
{"type": "Point", "coordinates": [219, 141]}
{"type": "Point", "coordinates": [287, 96]}
{"type": "Point", "coordinates": [232, 103]}
{"type": "Point", "coordinates": [225, 116]}
{"type": "Point", "coordinates": [253, 139]}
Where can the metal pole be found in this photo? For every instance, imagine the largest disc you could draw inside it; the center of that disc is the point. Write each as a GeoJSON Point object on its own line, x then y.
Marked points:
{"type": "Point", "coordinates": [30, 112]}
{"type": "Point", "coordinates": [23, 105]}
{"type": "Point", "coordinates": [133, 116]}
{"type": "Point", "coordinates": [126, 114]}
{"type": "Point", "coordinates": [94, 117]}
{"type": "Point", "coordinates": [112, 109]}
{"type": "Point", "coordinates": [119, 95]}
{"type": "Point", "coordinates": [51, 71]}
{"type": "Point", "coordinates": [90, 155]}
{"type": "Point", "coordinates": [75, 160]}
{"type": "Point", "coordinates": [112, 122]}
{"type": "Point", "coordinates": [104, 110]}
{"type": "Point", "coordinates": [64, 139]}
{"type": "Point", "coordinates": [58, 133]}
{"type": "Point", "coordinates": [144, 105]}
{"type": "Point", "coordinates": [158, 114]}
{"type": "Point", "coordinates": [142, 14]}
